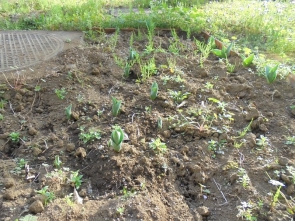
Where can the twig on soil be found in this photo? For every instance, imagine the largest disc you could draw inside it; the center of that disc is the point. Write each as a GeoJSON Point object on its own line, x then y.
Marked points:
{"type": "Point", "coordinates": [219, 188]}
{"type": "Point", "coordinates": [7, 80]}
{"type": "Point", "coordinates": [110, 91]}
{"type": "Point", "coordinates": [46, 146]}
{"type": "Point", "coordinates": [242, 158]}
{"type": "Point", "coordinates": [10, 105]}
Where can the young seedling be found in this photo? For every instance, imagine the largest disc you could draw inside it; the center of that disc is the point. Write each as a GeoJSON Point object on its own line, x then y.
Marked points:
{"type": "Point", "coordinates": [116, 104]}
{"type": "Point", "coordinates": [160, 123]}
{"type": "Point", "coordinates": [158, 146]}
{"type": "Point", "coordinates": [290, 140]}
{"type": "Point", "coordinates": [69, 112]}
{"type": "Point", "coordinates": [2, 103]}
{"type": "Point", "coordinates": [127, 70]}
{"type": "Point", "coordinates": [14, 137]}
{"type": "Point", "coordinates": [61, 93]}
{"type": "Point", "coordinates": [271, 73]}
{"type": "Point", "coordinates": [49, 196]}
{"type": "Point", "coordinates": [133, 55]}
{"type": "Point", "coordinates": [224, 52]}
{"type": "Point", "coordinates": [247, 61]}
{"type": "Point", "coordinates": [178, 96]}
{"type": "Point", "coordinates": [117, 138]}
{"type": "Point", "coordinates": [1, 117]}
{"type": "Point", "coordinates": [90, 136]}
{"type": "Point", "coordinates": [57, 163]}
{"type": "Point", "coordinates": [262, 141]}
{"type": "Point", "coordinates": [76, 179]}
{"type": "Point", "coordinates": [154, 90]}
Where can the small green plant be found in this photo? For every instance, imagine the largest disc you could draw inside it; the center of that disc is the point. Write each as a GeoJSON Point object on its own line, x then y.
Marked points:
{"type": "Point", "coordinates": [246, 210]}
{"type": "Point", "coordinates": [2, 103]}
{"type": "Point", "coordinates": [277, 194]}
{"type": "Point", "coordinates": [133, 55]}
{"type": "Point", "coordinates": [160, 123]}
{"type": "Point", "coordinates": [69, 111]}
{"type": "Point", "coordinates": [28, 217]}
{"type": "Point", "coordinates": [216, 147]}
{"type": "Point", "coordinates": [209, 86]}
{"type": "Point", "coordinates": [262, 141]}
{"type": "Point", "coordinates": [1, 117]}
{"type": "Point", "coordinates": [57, 163]}
{"type": "Point", "coordinates": [158, 146]}
{"type": "Point", "coordinates": [205, 50]}
{"type": "Point", "coordinates": [230, 67]}
{"type": "Point", "coordinates": [14, 137]}
{"type": "Point", "coordinates": [127, 69]}
{"type": "Point", "coordinates": [178, 96]}
{"type": "Point", "coordinates": [61, 93]}
{"type": "Point", "coordinates": [224, 52]}
{"type": "Point", "coordinates": [37, 88]}
{"type": "Point", "coordinates": [148, 69]}
{"type": "Point", "coordinates": [76, 179]}
{"type": "Point", "coordinates": [243, 177]}
{"type": "Point", "coordinates": [49, 196]}
{"type": "Point", "coordinates": [247, 61]}
{"type": "Point", "coordinates": [127, 193]}
{"type": "Point", "coordinates": [117, 138]}
{"type": "Point", "coordinates": [116, 104]}
{"type": "Point", "coordinates": [89, 136]}
{"type": "Point", "coordinates": [245, 130]}
{"type": "Point", "coordinates": [154, 90]}
{"type": "Point", "coordinates": [290, 140]}
{"type": "Point", "coordinates": [271, 73]}
{"type": "Point", "coordinates": [21, 163]}
{"type": "Point", "coordinates": [120, 210]}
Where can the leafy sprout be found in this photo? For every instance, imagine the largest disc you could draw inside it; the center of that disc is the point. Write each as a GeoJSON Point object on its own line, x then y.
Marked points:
{"type": "Point", "coordinates": [154, 90]}
{"type": "Point", "coordinates": [117, 138]}
{"type": "Point", "coordinates": [116, 104]}
{"type": "Point", "coordinates": [224, 52]}
{"type": "Point", "coordinates": [271, 73]}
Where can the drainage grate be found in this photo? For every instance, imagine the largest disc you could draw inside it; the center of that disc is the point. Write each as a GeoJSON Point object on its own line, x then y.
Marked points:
{"type": "Point", "coordinates": [20, 49]}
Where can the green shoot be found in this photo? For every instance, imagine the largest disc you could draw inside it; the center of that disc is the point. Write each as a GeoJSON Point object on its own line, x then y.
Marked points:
{"type": "Point", "coordinates": [49, 196]}
{"type": "Point", "coordinates": [69, 111]}
{"type": "Point", "coordinates": [160, 123]}
{"type": "Point", "coordinates": [57, 163]}
{"type": "Point", "coordinates": [90, 136]}
{"type": "Point", "coordinates": [178, 96]}
{"type": "Point", "coordinates": [1, 117]}
{"type": "Point", "coordinates": [2, 103]}
{"type": "Point", "coordinates": [158, 146]}
{"type": "Point", "coordinates": [117, 138]}
{"type": "Point", "coordinates": [247, 61]}
{"type": "Point", "coordinates": [61, 93]}
{"type": "Point", "coordinates": [14, 137]}
{"type": "Point", "coordinates": [271, 73]}
{"type": "Point", "coordinates": [76, 179]}
{"type": "Point", "coordinates": [224, 52]}
{"type": "Point", "coordinates": [116, 106]}
{"type": "Point", "coordinates": [154, 90]}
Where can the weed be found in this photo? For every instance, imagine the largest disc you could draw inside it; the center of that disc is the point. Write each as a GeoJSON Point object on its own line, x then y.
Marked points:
{"type": "Point", "coordinates": [245, 130]}
{"type": "Point", "coordinates": [243, 177]}
{"type": "Point", "coordinates": [271, 73]}
{"type": "Point", "coordinates": [2, 103]}
{"type": "Point", "coordinates": [116, 104]}
{"type": "Point", "coordinates": [154, 91]}
{"type": "Point", "coordinates": [37, 88]}
{"type": "Point", "coordinates": [209, 85]}
{"type": "Point", "coordinates": [76, 179]}
{"type": "Point", "coordinates": [117, 138]}
{"type": "Point", "coordinates": [57, 163]}
{"type": "Point", "coordinates": [247, 61]}
{"type": "Point", "coordinates": [277, 193]}
{"type": "Point", "coordinates": [216, 147]}
{"type": "Point", "coordinates": [69, 111]}
{"type": "Point", "coordinates": [148, 69]}
{"type": "Point", "coordinates": [14, 137]}
{"type": "Point", "coordinates": [61, 93]}
{"type": "Point", "coordinates": [21, 163]}
{"type": "Point", "coordinates": [120, 210]}
{"type": "Point", "coordinates": [127, 193]}
{"type": "Point", "coordinates": [245, 211]}
{"type": "Point", "coordinates": [224, 52]}
{"type": "Point", "coordinates": [205, 50]}
{"type": "Point", "coordinates": [80, 98]}
{"type": "Point", "coordinates": [127, 69]}
{"type": "Point", "coordinates": [69, 199]}
{"type": "Point", "coordinates": [178, 96]}
{"type": "Point", "coordinates": [89, 136]}
{"type": "Point", "coordinates": [262, 141]}
{"type": "Point", "coordinates": [1, 117]}
{"type": "Point", "coordinates": [290, 140]}
{"type": "Point", "coordinates": [49, 196]}
{"type": "Point", "coordinates": [133, 55]}
{"type": "Point", "coordinates": [230, 67]}
{"type": "Point", "coordinates": [160, 123]}
{"type": "Point", "coordinates": [158, 146]}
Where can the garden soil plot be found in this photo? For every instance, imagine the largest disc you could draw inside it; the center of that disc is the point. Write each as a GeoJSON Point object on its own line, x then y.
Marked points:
{"type": "Point", "coordinates": [225, 139]}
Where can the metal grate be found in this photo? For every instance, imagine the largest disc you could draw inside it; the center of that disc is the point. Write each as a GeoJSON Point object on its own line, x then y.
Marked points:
{"type": "Point", "coordinates": [19, 49]}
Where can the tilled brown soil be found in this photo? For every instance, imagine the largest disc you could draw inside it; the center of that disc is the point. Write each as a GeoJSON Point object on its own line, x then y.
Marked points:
{"type": "Point", "coordinates": [210, 171]}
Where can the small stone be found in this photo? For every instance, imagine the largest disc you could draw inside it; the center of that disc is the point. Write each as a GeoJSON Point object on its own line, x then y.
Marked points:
{"type": "Point", "coordinates": [60, 143]}
{"type": "Point", "coordinates": [253, 113]}
{"type": "Point", "coordinates": [203, 211]}
{"type": "Point", "coordinates": [39, 110]}
{"type": "Point", "coordinates": [83, 192]}
{"type": "Point", "coordinates": [36, 207]}
{"type": "Point", "coordinates": [10, 194]}
{"type": "Point", "coordinates": [32, 131]}
{"type": "Point", "coordinates": [36, 151]}
{"type": "Point", "coordinates": [8, 183]}
{"type": "Point", "coordinates": [4, 136]}
{"type": "Point", "coordinates": [197, 216]}
{"type": "Point", "coordinates": [19, 108]}
{"type": "Point", "coordinates": [167, 133]}
{"type": "Point", "coordinates": [43, 158]}
{"type": "Point", "coordinates": [286, 179]}
{"type": "Point", "coordinates": [290, 189]}
{"type": "Point", "coordinates": [283, 161]}
{"type": "Point", "coordinates": [70, 147]}
{"type": "Point", "coordinates": [251, 139]}
{"type": "Point", "coordinates": [75, 115]}
{"type": "Point", "coordinates": [18, 97]}
{"type": "Point", "coordinates": [269, 114]}
{"type": "Point", "coordinates": [263, 128]}
{"type": "Point", "coordinates": [80, 152]}
{"type": "Point", "coordinates": [233, 178]}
